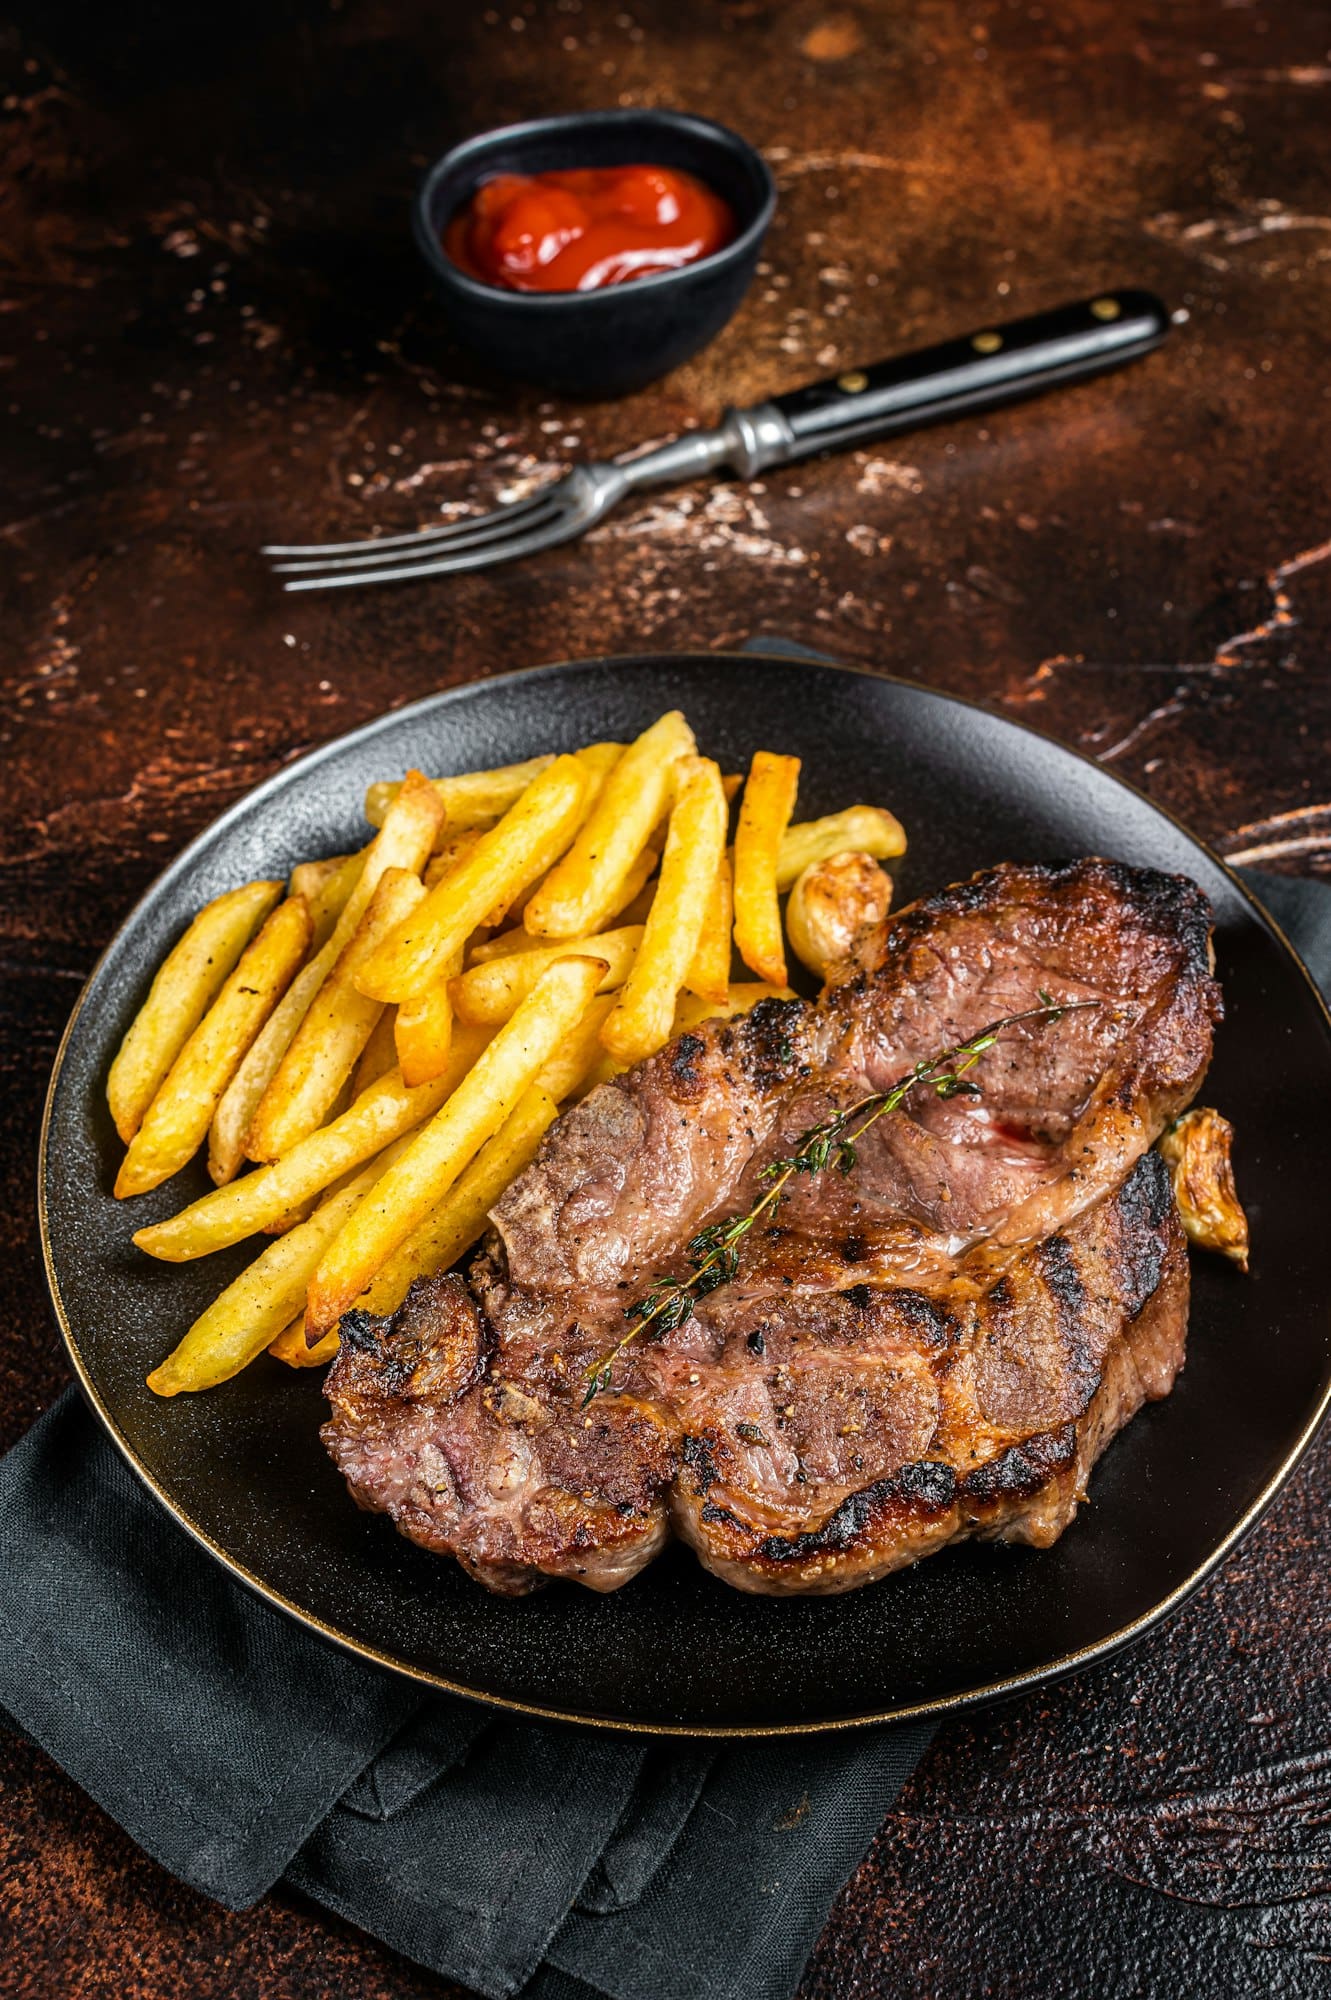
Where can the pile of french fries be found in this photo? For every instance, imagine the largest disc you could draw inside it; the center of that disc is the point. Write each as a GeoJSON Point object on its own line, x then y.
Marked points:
{"type": "Point", "coordinates": [373, 1050]}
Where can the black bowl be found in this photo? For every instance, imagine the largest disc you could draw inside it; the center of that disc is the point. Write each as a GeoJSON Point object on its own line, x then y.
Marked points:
{"type": "Point", "coordinates": [608, 342]}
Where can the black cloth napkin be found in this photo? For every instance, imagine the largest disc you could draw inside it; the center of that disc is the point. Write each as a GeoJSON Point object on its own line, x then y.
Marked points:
{"type": "Point", "coordinates": [517, 1858]}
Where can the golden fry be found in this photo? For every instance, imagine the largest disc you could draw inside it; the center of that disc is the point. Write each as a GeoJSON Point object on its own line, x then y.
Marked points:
{"type": "Point", "coordinates": [424, 1030]}
{"type": "Point", "coordinates": [432, 1163]}
{"type": "Point", "coordinates": [597, 761]}
{"type": "Point", "coordinates": [501, 945]}
{"type": "Point", "coordinates": [868, 829]}
{"type": "Point", "coordinates": [637, 909]}
{"type": "Point", "coordinates": [475, 798]}
{"type": "Point", "coordinates": [178, 1118]}
{"type": "Point", "coordinates": [310, 878]}
{"type": "Point", "coordinates": [636, 886]}
{"type": "Point", "coordinates": [519, 938]}
{"type": "Point", "coordinates": [188, 980]}
{"type": "Point", "coordinates": [402, 842]}
{"type": "Point", "coordinates": [339, 1023]}
{"type": "Point", "coordinates": [491, 993]}
{"type": "Point", "coordinates": [769, 800]}
{"type": "Point", "coordinates": [709, 972]}
{"type": "Point", "coordinates": [241, 1098]}
{"type": "Point", "coordinates": [379, 1054]}
{"type": "Point", "coordinates": [451, 1228]}
{"type": "Point", "coordinates": [379, 1115]}
{"type": "Point", "coordinates": [405, 840]}
{"type": "Point", "coordinates": [499, 866]}
{"type": "Point", "coordinates": [580, 1056]}
{"type": "Point", "coordinates": [330, 886]}
{"type": "Point", "coordinates": [581, 891]}
{"type": "Point", "coordinates": [256, 1306]}
{"type": "Point", "coordinates": [743, 995]}
{"type": "Point", "coordinates": [694, 851]}
{"type": "Point", "coordinates": [289, 1220]}
{"type": "Point", "coordinates": [290, 1345]}
{"type": "Point", "coordinates": [454, 848]}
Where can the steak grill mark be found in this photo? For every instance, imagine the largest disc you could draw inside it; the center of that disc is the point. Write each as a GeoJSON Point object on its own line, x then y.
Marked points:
{"type": "Point", "coordinates": [935, 1346]}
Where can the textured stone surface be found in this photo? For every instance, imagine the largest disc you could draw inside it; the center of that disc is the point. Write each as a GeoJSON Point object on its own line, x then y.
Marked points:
{"type": "Point", "coordinates": [216, 334]}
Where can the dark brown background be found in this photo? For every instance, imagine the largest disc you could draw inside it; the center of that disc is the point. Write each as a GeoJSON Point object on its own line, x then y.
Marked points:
{"type": "Point", "coordinates": [215, 333]}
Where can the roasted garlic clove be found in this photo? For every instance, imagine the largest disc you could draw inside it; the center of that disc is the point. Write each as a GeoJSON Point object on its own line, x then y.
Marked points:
{"type": "Point", "coordinates": [1197, 1149]}
{"type": "Point", "coordinates": [832, 904]}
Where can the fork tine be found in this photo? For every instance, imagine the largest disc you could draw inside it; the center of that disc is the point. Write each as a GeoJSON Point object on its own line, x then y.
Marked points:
{"type": "Point", "coordinates": [421, 537]}
{"type": "Point", "coordinates": [558, 529]}
{"type": "Point", "coordinates": [486, 531]}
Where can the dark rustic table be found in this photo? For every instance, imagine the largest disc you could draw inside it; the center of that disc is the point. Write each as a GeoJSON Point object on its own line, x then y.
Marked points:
{"type": "Point", "coordinates": [216, 334]}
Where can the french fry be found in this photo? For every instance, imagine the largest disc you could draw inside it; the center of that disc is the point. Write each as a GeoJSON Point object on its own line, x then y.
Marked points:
{"type": "Point", "coordinates": [187, 983]}
{"type": "Point", "coordinates": [743, 995]}
{"type": "Point", "coordinates": [432, 1163]}
{"type": "Point", "coordinates": [637, 885]}
{"type": "Point", "coordinates": [708, 975]}
{"type": "Point", "coordinates": [310, 878]}
{"type": "Point", "coordinates": [694, 851]}
{"type": "Point", "coordinates": [379, 1054]}
{"type": "Point", "coordinates": [580, 892]}
{"type": "Point", "coordinates": [326, 887]}
{"type": "Point", "coordinates": [868, 829]}
{"type": "Point", "coordinates": [451, 1228]}
{"type": "Point", "coordinates": [340, 1020]}
{"type": "Point", "coordinates": [424, 1028]}
{"type": "Point", "coordinates": [452, 850]}
{"type": "Point", "coordinates": [500, 865]}
{"type": "Point", "coordinates": [379, 1115]}
{"type": "Point", "coordinates": [178, 1118]}
{"type": "Point", "coordinates": [732, 785]}
{"type": "Point", "coordinates": [579, 1055]}
{"type": "Point", "coordinates": [764, 813]}
{"type": "Point", "coordinates": [597, 761]}
{"type": "Point", "coordinates": [630, 901]}
{"type": "Point", "coordinates": [289, 1220]}
{"type": "Point", "coordinates": [246, 1317]}
{"type": "Point", "coordinates": [502, 945]}
{"type": "Point", "coordinates": [521, 939]}
{"type": "Point", "coordinates": [476, 798]}
{"type": "Point", "coordinates": [490, 993]}
{"type": "Point", "coordinates": [635, 911]}
{"type": "Point", "coordinates": [405, 840]}
{"type": "Point", "coordinates": [241, 1098]}
{"type": "Point", "coordinates": [402, 842]}
{"type": "Point", "coordinates": [290, 1345]}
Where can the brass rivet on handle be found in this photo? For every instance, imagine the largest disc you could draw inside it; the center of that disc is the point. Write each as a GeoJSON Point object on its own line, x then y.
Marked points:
{"type": "Point", "coordinates": [853, 382]}
{"type": "Point", "coordinates": [986, 343]}
{"type": "Point", "coordinates": [1105, 308]}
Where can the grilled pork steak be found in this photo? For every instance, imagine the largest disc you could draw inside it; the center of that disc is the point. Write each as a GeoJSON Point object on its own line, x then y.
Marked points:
{"type": "Point", "coordinates": [935, 1345]}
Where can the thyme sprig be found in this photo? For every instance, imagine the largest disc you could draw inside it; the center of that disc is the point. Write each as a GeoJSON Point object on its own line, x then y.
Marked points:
{"type": "Point", "coordinates": [713, 1254]}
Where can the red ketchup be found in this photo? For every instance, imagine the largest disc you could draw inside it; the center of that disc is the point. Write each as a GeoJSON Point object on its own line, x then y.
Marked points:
{"type": "Point", "coordinates": [589, 227]}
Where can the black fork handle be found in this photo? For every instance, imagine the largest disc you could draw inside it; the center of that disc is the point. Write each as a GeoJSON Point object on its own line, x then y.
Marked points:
{"type": "Point", "coordinates": [980, 371]}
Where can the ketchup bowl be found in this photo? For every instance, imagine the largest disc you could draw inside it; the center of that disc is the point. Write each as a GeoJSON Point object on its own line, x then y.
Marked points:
{"type": "Point", "coordinates": [619, 335]}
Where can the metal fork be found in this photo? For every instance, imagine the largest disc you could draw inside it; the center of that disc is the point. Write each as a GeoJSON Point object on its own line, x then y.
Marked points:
{"type": "Point", "coordinates": [981, 370]}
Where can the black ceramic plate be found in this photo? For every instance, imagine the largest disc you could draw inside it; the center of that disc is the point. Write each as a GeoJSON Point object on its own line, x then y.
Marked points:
{"type": "Point", "coordinates": [242, 1467]}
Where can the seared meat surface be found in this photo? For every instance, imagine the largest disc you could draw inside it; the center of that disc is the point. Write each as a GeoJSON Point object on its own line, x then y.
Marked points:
{"type": "Point", "coordinates": [936, 1345]}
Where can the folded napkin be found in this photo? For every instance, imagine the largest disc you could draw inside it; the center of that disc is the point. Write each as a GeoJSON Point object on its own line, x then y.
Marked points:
{"type": "Point", "coordinates": [514, 1857]}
